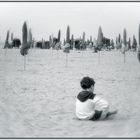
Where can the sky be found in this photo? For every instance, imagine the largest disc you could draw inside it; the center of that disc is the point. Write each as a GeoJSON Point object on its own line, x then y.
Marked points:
{"type": "Point", "coordinates": [46, 18]}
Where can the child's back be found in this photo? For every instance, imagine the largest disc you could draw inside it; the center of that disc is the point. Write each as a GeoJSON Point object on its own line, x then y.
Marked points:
{"type": "Point", "coordinates": [89, 106]}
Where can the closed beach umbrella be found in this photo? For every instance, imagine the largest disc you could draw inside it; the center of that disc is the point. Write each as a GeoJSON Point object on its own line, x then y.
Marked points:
{"type": "Point", "coordinates": [124, 44]}
{"type": "Point", "coordinates": [25, 45]}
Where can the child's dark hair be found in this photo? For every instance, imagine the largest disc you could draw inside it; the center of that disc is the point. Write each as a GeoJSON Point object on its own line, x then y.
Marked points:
{"type": "Point", "coordinates": [87, 82]}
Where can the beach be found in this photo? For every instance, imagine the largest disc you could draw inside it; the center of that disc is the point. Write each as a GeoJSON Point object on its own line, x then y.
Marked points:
{"type": "Point", "coordinates": [40, 100]}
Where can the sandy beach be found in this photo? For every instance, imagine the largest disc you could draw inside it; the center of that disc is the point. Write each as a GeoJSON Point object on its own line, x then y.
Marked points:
{"type": "Point", "coordinates": [40, 101]}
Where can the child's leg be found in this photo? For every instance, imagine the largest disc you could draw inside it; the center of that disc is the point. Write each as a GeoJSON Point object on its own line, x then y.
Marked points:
{"type": "Point", "coordinates": [104, 113]}
{"type": "Point", "coordinates": [97, 115]}
{"type": "Point", "coordinates": [111, 113]}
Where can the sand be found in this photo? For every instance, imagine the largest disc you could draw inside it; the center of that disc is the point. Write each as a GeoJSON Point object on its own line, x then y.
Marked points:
{"type": "Point", "coordinates": [40, 101]}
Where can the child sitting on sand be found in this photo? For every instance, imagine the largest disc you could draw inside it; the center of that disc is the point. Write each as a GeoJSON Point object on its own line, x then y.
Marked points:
{"type": "Point", "coordinates": [90, 106]}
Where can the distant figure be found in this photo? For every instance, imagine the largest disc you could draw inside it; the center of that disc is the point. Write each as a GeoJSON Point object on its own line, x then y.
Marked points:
{"type": "Point", "coordinates": [90, 106]}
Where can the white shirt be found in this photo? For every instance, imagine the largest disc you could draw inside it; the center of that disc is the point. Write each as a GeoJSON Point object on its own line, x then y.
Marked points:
{"type": "Point", "coordinates": [86, 109]}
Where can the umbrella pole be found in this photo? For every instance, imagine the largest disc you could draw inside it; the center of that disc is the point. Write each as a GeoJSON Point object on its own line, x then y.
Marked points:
{"type": "Point", "coordinates": [5, 51]}
{"type": "Point", "coordinates": [66, 59]}
{"type": "Point", "coordinates": [24, 62]}
{"type": "Point", "coordinates": [57, 53]}
{"type": "Point", "coordinates": [124, 57]}
{"type": "Point", "coordinates": [99, 58]}
{"type": "Point", "coordinates": [52, 52]}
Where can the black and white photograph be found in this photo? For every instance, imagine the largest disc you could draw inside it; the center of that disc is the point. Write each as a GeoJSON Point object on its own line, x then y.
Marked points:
{"type": "Point", "coordinates": [69, 69]}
